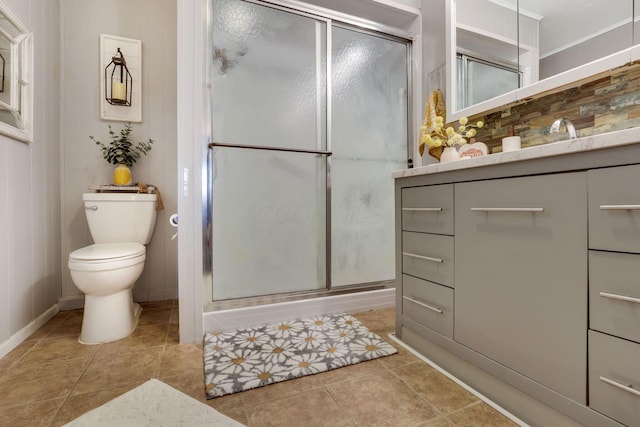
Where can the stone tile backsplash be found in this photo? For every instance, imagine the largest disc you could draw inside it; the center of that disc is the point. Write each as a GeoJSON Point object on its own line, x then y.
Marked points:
{"type": "Point", "coordinates": [603, 103]}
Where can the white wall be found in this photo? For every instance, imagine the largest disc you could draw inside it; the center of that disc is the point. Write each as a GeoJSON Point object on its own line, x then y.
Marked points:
{"type": "Point", "coordinates": [154, 23]}
{"type": "Point", "coordinates": [434, 56]}
{"type": "Point", "coordinates": [30, 237]}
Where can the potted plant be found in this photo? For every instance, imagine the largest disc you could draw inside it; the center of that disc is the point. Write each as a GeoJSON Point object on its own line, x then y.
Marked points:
{"type": "Point", "coordinates": [123, 153]}
{"type": "Point", "coordinates": [448, 138]}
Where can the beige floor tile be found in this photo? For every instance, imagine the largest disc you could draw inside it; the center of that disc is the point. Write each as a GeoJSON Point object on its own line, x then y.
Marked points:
{"type": "Point", "coordinates": [51, 325]}
{"type": "Point", "coordinates": [173, 337]}
{"type": "Point", "coordinates": [402, 358]}
{"type": "Point", "coordinates": [282, 390]}
{"type": "Point", "coordinates": [59, 348]}
{"type": "Point", "coordinates": [308, 409]}
{"type": "Point", "coordinates": [380, 322]}
{"type": "Point", "coordinates": [155, 316]}
{"type": "Point", "coordinates": [191, 383]}
{"type": "Point", "coordinates": [142, 337]}
{"type": "Point", "coordinates": [71, 326]}
{"type": "Point", "coordinates": [443, 393]}
{"type": "Point", "coordinates": [33, 382]}
{"type": "Point", "coordinates": [238, 413]}
{"type": "Point", "coordinates": [350, 372]}
{"type": "Point", "coordinates": [227, 402]}
{"type": "Point", "coordinates": [75, 406]}
{"type": "Point", "coordinates": [438, 422]}
{"type": "Point", "coordinates": [32, 414]}
{"type": "Point", "coordinates": [181, 360]}
{"type": "Point", "coordinates": [480, 415]}
{"type": "Point", "coordinates": [122, 369]}
{"type": "Point", "coordinates": [18, 353]}
{"type": "Point", "coordinates": [369, 393]}
{"type": "Point", "coordinates": [381, 400]}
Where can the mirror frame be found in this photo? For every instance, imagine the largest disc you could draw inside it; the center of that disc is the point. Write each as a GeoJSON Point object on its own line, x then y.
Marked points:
{"type": "Point", "coordinates": [22, 55]}
{"type": "Point", "coordinates": [527, 92]}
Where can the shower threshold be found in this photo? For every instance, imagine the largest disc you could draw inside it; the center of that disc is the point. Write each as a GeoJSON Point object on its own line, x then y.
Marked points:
{"type": "Point", "coordinates": [294, 296]}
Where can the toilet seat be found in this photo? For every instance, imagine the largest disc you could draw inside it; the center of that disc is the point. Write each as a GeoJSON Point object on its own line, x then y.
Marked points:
{"type": "Point", "coordinates": [107, 256]}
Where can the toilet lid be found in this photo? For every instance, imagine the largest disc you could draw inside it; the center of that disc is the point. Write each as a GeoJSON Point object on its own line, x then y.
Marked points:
{"type": "Point", "coordinates": [108, 251]}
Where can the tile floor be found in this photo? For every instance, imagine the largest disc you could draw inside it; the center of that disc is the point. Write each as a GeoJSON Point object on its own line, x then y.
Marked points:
{"type": "Point", "coordinates": [50, 379]}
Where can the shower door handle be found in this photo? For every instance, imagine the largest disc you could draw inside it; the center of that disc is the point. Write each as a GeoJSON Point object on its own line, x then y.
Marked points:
{"type": "Point", "coordinates": [270, 148]}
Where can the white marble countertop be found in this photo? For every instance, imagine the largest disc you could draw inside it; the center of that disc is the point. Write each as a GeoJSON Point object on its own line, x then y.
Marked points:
{"type": "Point", "coordinates": [594, 142]}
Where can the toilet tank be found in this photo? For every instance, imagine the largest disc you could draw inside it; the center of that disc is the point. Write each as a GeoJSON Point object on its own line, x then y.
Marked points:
{"type": "Point", "coordinates": [120, 217]}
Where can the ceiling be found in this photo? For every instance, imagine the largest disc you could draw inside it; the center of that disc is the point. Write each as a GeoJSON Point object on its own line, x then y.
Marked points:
{"type": "Point", "coordinates": [565, 22]}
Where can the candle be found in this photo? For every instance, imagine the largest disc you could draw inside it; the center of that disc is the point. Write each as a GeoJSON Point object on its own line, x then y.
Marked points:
{"type": "Point", "coordinates": [118, 91]}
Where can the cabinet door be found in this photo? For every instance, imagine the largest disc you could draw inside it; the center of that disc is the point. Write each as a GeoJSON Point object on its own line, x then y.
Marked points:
{"type": "Point", "coordinates": [521, 276]}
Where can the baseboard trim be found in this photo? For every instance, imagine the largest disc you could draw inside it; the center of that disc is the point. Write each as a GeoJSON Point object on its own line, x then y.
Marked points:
{"type": "Point", "coordinates": [72, 302]}
{"type": "Point", "coordinates": [16, 339]}
{"type": "Point", "coordinates": [154, 294]}
{"type": "Point", "coordinates": [245, 317]}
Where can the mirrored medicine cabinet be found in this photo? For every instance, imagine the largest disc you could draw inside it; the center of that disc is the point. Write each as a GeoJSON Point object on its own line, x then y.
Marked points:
{"type": "Point", "coordinates": [498, 51]}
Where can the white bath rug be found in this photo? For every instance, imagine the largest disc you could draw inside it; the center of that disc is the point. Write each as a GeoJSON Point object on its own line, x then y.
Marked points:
{"type": "Point", "coordinates": [154, 403]}
{"type": "Point", "coordinates": [254, 357]}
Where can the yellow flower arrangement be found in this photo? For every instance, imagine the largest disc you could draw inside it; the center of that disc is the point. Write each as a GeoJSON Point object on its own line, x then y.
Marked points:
{"type": "Point", "coordinates": [449, 137]}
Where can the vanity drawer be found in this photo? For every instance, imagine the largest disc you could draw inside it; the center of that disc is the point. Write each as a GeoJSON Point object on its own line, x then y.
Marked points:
{"type": "Point", "coordinates": [614, 378]}
{"type": "Point", "coordinates": [429, 304]}
{"type": "Point", "coordinates": [614, 209]}
{"type": "Point", "coordinates": [614, 294]}
{"type": "Point", "coordinates": [428, 209]}
{"type": "Point", "coordinates": [428, 256]}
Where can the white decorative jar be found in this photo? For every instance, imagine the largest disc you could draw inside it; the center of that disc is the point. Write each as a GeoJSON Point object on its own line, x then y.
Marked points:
{"type": "Point", "coordinates": [450, 154]}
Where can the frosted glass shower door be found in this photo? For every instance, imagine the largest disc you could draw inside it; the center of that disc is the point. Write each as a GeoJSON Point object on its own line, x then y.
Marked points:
{"type": "Point", "coordinates": [269, 124]}
{"type": "Point", "coordinates": [369, 140]}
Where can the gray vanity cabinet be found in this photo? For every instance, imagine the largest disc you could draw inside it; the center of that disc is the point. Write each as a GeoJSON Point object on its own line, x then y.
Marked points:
{"type": "Point", "coordinates": [521, 276]}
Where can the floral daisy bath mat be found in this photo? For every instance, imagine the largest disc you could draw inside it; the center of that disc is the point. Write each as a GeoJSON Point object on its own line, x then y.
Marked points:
{"type": "Point", "coordinates": [254, 357]}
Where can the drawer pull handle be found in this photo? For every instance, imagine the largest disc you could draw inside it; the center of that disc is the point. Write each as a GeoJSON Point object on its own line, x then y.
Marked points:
{"type": "Point", "coordinates": [620, 297]}
{"type": "Point", "coordinates": [620, 207]}
{"type": "Point", "coordinates": [427, 258]}
{"type": "Point", "coordinates": [533, 210]}
{"type": "Point", "coordinates": [423, 304]}
{"type": "Point", "coordinates": [422, 209]}
{"type": "Point", "coordinates": [627, 388]}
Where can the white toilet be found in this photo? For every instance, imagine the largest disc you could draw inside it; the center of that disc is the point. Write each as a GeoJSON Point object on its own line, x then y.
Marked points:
{"type": "Point", "coordinates": [120, 224]}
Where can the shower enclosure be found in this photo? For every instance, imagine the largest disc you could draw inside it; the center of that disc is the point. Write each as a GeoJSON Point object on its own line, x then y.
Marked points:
{"type": "Point", "coordinates": [309, 118]}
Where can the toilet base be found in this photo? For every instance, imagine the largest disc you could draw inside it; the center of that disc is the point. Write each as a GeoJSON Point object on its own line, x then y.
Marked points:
{"type": "Point", "coordinates": [109, 318]}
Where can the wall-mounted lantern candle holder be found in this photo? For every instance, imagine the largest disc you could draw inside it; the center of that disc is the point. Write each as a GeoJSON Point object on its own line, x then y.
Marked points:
{"type": "Point", "coordinates": [118, 82]}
